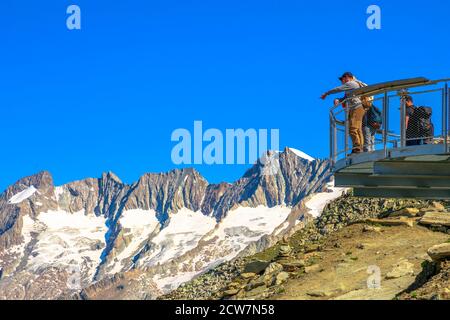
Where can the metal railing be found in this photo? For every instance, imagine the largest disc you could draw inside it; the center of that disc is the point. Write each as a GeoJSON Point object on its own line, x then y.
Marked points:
{"type": "Point", "coordinates": [396, 131]}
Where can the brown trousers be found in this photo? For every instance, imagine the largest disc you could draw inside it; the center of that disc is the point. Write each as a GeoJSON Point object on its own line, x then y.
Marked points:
{"type": "Point", "coordinates": [355, 128]}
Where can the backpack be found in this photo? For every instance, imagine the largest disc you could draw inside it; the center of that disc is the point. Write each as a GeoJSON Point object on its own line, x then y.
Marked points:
{"type": "Point", "coordinates": [425, 125]}
{"type": "Point", "coordinates": [420, 125]}
{"type": "Point", "coordinates": [367, 102]}
{"type": "Point", "coordinates": [374, 117]}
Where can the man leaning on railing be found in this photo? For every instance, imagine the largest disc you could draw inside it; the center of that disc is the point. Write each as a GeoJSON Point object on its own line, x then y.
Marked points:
{"type": "Point", "coordinates": [356, 111]}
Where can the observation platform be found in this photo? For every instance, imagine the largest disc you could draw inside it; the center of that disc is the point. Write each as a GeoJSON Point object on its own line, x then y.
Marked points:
{"type": "Point", "coordinates": [395, 169]}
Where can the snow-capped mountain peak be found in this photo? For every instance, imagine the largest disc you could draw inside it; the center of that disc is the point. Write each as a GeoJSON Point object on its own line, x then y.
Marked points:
{"type": "Point", "coordinates": [302, 155]}
{"type": "Point", "coordinates": [169, 226]}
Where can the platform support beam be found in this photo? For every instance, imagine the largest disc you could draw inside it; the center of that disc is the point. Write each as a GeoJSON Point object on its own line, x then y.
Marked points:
{"type": "Point", "coordinates": [445, 122]}
{"type": "Point", "coordinates": [403, 122]}
{"type": "Point", "coordinates": [385, 123]}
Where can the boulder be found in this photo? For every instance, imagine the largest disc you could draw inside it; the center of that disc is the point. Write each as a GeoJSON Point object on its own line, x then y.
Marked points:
{"type": "Point", "coordinates": [406, 212]}
{"type": "Point", "coordinates": [322, 293]}
{"type": "Point", "coordinates": [438, 206]}
{"type": "Point", "coordinates": [255, 284]}
{"type": "Point", "coordinates": [229, 293]}
{"type": "Point", "coordinates": [371, 229]}
{"type": "Point", "coordinates": [285, 251]}
{"type": "Point", "coordinates": [440, 252]}
{"type": "Point", "coordinates": [234, 285]}
{"type": "Point", "coordinates": [317, 294]}
{"type": "Point", "coordinates": [281, 278]}
{"type": "Point", "coordinates": [249, 275]}
{"type": "Point", "coordinates": [257, 293]}
{"type": "Point", "coordinates": [292, 266]}
{"type": "Point", "coordinates": [273, 268]}
{"type": "Point", "coordinates": [257, 266]}
{"type": "Point", "coordinates": [436, 219]}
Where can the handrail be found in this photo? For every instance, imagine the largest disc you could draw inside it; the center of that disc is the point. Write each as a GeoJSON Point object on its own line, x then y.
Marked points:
{"type": "Point", "coordinates": [389, 86]}
{"type": "Point", "coordinates": [388, 89]}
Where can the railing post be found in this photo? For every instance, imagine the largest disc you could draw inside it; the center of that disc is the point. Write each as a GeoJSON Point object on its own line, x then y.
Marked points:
{"type": "Point", "coordinates": [332, 137]}
{"type": "Point", "coordinates": [385, 122]}
{"type": "Point", "coordinates": [402, 122]}
{"type": "Point", "coordinates": [445, 120]}
{"type": "Point", "coordinates": [347, 131]}
{"type": "Point", "coordinates": [335, 144]}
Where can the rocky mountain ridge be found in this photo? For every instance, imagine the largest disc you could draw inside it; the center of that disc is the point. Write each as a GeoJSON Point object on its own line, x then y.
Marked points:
{"type": "Point", "coordinates": [103, 226]}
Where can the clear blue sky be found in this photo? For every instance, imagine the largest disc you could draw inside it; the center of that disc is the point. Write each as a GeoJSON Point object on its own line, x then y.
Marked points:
{"type": "Point", "coordinates": [107, 98]}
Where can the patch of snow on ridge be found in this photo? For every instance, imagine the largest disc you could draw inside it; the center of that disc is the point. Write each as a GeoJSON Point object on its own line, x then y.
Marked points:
{"type": "Point", "coordinates": [66, 239]}
{"type": "Point", "coordinates": [58, 192]}
{"type": "Point", "coordinates": [261, 219]}
{"type": "Point", "coordinates": [244, 225]}
{"type": "Point", "coordinates": [22, 196]}
{"type": "Point", "coordinates": [138, 225]}
{"type": "Point", "coordinates": [138, 218]}
{"type": "Point", "coordinates": [318, 201]}
{"type": "Point", "coordinates": [182, 234]}
{"type": "Point", "coordinates": [168, 284]}
{"type": "Point", "coordinates": [27, 229]}
{"type": "Point", "coordinates": [239, 228]}
{"type": "Point", "coordinates": [303, 155]}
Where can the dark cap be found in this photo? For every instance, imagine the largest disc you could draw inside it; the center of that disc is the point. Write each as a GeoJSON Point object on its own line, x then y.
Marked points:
{"type": "Point", "coordinates": [347, 74]}
{"type": "Point", "coordinates": [408, 98]}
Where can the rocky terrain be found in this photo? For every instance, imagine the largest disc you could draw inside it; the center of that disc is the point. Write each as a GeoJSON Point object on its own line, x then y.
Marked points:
{"type": "Point", "coordinates": [101, 238]}
{"type": "Point", "coordinates": [357, 249]}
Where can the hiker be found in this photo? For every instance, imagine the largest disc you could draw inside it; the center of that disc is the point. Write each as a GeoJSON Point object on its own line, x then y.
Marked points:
{"type": "Point", "coordinates": [371, 122]}
{"type": "Point", "coordinates": [372, 119]}
{"type": "Point", "coordinates": [419, 128]}
{"type": "Point", "coordinates": [356, 110]}
{"type": "Point", "coordinates": [369, 131]}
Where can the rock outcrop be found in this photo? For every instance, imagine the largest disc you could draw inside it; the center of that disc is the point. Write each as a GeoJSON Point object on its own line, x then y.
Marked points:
{"type": "Point", "coordinates": [11, 214]}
